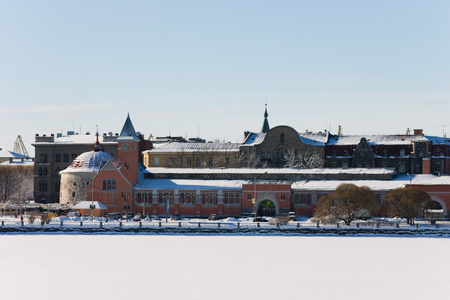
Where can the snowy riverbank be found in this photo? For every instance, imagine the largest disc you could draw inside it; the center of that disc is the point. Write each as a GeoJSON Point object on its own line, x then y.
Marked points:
{"type": "Point", "coordinates": [230, 226]}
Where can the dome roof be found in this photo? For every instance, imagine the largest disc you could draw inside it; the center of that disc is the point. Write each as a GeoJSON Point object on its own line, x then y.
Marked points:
{"type": "Point", "coordinates": [91, 161]}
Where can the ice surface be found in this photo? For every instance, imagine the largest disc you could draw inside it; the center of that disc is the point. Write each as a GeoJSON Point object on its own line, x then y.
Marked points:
{"type": "Point", "coordinates": [222, 267]}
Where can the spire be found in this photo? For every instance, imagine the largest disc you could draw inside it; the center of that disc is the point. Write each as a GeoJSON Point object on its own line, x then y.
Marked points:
{"type": "Point", "coordinates": [265, 128]}
{"type": "Point", "coordinates": [128, 128]}
{"type": "Point", "coordinates": [97, 146]}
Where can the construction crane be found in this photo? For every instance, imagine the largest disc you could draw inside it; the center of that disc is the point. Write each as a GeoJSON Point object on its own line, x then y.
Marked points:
{"type": "Point", "coordinates": [19, 147]}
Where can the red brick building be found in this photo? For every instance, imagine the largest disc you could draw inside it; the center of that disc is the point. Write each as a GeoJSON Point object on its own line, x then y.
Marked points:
{"type": "Point", "coordinates": [124, 185]}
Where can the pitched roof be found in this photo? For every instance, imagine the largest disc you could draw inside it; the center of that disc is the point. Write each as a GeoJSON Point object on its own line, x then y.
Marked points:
{"type": "Point", "coordinates": [128, 130]}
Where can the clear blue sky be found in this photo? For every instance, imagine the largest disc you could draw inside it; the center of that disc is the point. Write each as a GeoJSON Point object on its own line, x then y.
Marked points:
{"type": "Point", "coordinates": [374, 67]}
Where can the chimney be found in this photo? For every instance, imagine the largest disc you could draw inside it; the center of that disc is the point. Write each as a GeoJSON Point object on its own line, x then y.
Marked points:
{"type": "Point", "coordinates": [418, 132]}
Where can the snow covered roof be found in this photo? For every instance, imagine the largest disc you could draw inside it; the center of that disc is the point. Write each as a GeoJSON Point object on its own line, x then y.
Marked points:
{"type": "Point", "coordinates": [314, 139]}
{"type": "Point", "coordinates": [87, 205]}
{"type": "Point", "coordinates": [254, 138]}
{"type": "Point", "coordinates": [80, 139]}
{"type": "Point", "coordinates": [385, 139]}
{"type": "Point", "coordinates": [16, 162]}
{"type": "Point", "coordinates": [196, 147]}
{"type": "Point", "coordinates": [376, 185]}
{"type": "Point", "coordinates": [309, 138]}
{"type": "Point", "coordinates": [375, 171]}
{"type": "Point", "coordinates": [9, 154]}
{"type": "Point", "coordinates": [190, 184]}
{"type": "Point", "coordinates": [331, 185]}
{"type": "Point", "coordinates": [90, 162]}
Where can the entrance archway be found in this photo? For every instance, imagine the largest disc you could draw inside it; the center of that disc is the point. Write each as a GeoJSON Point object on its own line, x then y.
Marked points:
{"type": "Point", "coordinates": [436, 203]}
{"type": "Point", "coordinates": [266, 209]}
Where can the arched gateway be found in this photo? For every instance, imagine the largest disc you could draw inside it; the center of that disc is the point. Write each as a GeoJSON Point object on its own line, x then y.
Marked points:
{"type": "Point", "coordinates": [267, 205]}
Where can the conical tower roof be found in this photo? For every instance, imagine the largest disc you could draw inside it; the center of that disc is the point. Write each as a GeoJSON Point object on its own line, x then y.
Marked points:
{"type": "Point", "coordinates": [128, 131]}
{"type": "Point", "coordinates": [265, 128]}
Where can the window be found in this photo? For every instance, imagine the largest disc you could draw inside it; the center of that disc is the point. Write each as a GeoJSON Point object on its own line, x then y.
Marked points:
{"type": "Point", "coordinates": [43, 157]}
{"type": "Point", "coordinates": [170, 161]}
{"type": "Point", "coordinates": [179, 160]}
{"type": "Point", "coordinates": [198, 161]}
{"type": "Point", "coordinates": [401, 169]}
{"type": "Point", "coordinates": [189, 161]}
{"type": "Point", "coordinates": [384, 153]}
{"type": "Point", "coordinates": [402, 153]}
{"type": "Point", "coordinates": [438, 152]}
{"type": "Point", "coordinates": [57, 157]}
{"type": "Point", "coordinates": [227, 161]}
{"type": "Point", "coordinates": [66, 157]}
{"type": "Point", "coordinates": [345, 153]}
{"type": "Point", "coordinates": [109, 184]}
{"type": "Point", "coordinates": [156, 161]}
{"type": "Point", "coordinates": [283, 197]}
{"type": "Point", "coordinates": [333, 153]}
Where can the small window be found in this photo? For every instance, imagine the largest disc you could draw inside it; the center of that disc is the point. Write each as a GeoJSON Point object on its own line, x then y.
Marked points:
{"type": "Point", "coordinates": [170, 161]}
{"type": "Point", "coordinates": [402, 153]}
{"type": "Point", "coordinates": [179, 160]}
{"type": "Point", "coordinates": [188, 161]}
{"type": "Point", "coordinates": [384, 153]}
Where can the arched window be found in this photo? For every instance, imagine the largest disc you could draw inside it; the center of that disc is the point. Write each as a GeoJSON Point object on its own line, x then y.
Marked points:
{"type": "Point", "coordinates": [104, 184]}
{"type": "Point", "coordinates": [109, 184]}
{"type": "Point", "coordinates": [113, 184]}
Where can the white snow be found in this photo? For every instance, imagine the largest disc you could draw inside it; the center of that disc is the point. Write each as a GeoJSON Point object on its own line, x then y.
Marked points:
{"type": "Point", "coordinates": [222, 267]}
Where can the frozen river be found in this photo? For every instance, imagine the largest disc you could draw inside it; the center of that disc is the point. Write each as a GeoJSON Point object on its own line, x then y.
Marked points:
{"type": "Point", "coordinates": [222, 267]}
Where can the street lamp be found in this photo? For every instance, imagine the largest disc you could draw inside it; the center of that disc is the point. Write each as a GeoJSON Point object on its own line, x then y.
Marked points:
{"type": "Point", "coordinates": [409, 175]}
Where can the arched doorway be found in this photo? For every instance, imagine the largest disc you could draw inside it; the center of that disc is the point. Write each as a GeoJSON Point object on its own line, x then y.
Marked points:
{"type": "Point", "coordinates": [267, 209]}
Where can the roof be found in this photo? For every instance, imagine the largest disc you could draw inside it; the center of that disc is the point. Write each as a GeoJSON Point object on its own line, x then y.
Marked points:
{"type": "Point", "coordinates": [80, 139]}
{"type": "Point", "coordinates": [196, 147]}
{"type": "Point", "coordinates": [9, 154]}
{"type": "Point", "coordinates": [157, 170]}
{"type": "Point", "coordinates": [26, 162]}
{"type": "Point", "coordinates": [128, 130]}
{"type": "Point", "coordinates": [385, 139]}
{"type": "Point", "coordinates": [87, 205]}
{"type": "Point", "coordinates": [90, 161]}
{"type": "Point", "coordinates": [190, 184]}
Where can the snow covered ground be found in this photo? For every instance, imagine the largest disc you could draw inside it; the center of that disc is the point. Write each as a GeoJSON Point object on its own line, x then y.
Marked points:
{"type": "Point", "coordinates": [222, 267]}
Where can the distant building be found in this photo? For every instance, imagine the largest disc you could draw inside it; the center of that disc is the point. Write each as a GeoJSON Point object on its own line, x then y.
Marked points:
{"type": "Point", "coordinates": [283, 146]}
{"type": "Point", "coordinates": [124, 185]}
{"type": "Point", "coordinates": [55, 153]}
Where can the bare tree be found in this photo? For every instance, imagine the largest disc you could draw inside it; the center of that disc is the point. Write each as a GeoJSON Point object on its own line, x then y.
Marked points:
{"type": "Point", "coordinates": [249, 159]}
{"type": "Point", "coordinates": [306, 160]}
{"type": "Point", "coordinates": [16, 183]}
{"type": "Point", "coordinates": [347, 203]}
{"type": "Point", "coordinates": [406, 203]}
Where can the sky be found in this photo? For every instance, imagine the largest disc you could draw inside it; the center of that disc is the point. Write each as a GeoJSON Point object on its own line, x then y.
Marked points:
{"type": "Point", "coordinates": [207, 68]}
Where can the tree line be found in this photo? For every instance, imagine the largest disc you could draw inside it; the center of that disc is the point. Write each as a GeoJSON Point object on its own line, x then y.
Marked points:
{"type": "Point", "coordinates": [350, 202]}
{"type": "Point", "coordinates": [16, 183]}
